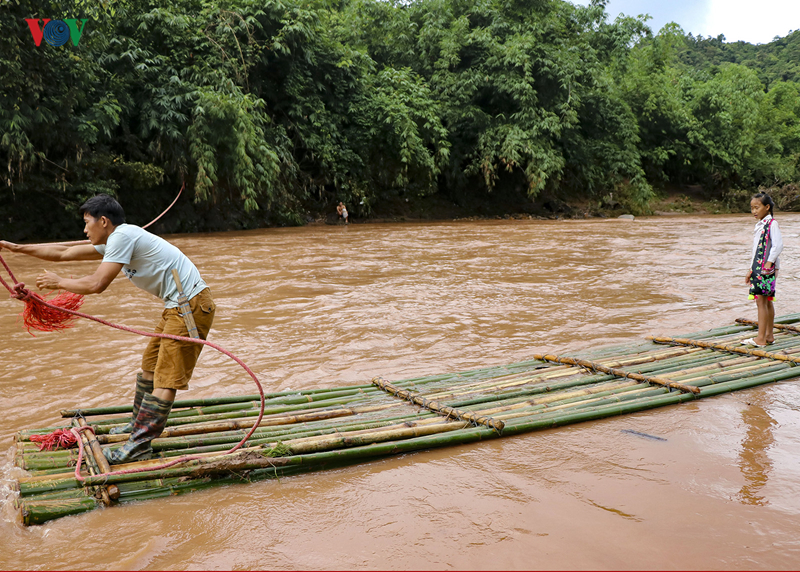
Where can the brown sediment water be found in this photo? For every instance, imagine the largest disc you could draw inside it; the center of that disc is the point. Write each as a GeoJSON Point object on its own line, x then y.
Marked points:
{"type": "Point", "coordinates": [326, 306]}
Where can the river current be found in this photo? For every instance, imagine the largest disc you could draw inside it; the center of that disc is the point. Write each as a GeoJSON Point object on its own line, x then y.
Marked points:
{"type": "Point", "coordinates": [328, 306]}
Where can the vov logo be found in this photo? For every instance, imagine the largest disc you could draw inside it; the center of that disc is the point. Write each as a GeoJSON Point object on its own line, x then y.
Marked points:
{"type": "Point", "coordinates": [56, 32]}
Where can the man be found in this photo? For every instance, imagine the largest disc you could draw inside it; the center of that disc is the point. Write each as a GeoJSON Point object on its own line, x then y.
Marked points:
{"type": "Point", "coordinates": [147, 260]}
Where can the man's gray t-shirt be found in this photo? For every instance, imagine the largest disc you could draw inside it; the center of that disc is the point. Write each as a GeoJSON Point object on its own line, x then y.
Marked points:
{"type": "Point", "coordinates": [148, 261]}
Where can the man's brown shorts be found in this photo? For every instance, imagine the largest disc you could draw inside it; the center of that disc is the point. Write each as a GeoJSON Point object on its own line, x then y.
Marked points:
{"type": "Point", "coordinates": [171, 361]}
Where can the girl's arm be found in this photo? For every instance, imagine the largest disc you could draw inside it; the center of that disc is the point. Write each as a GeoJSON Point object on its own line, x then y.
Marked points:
{"type": "Point", "coordinates": [777, 243]}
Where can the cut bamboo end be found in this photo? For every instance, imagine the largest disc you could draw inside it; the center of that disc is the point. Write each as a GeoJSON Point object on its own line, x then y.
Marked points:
{"type": "Point", "coordinates": [41, 511]}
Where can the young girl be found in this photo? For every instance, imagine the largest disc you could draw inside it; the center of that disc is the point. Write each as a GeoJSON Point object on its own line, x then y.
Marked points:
{"type": "Point", "coordinates": [767, 246]}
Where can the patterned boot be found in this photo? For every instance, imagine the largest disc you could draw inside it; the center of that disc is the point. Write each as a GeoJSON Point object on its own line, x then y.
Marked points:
{"type": "Point", "coordinates": [149, 424]}
{"type": "Point", "coordinates": [143, 387]}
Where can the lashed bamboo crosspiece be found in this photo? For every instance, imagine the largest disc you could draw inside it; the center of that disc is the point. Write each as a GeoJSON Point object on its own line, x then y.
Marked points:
{"type": "Point", "coordinates": [784, 327]}
{"type": "Point", "coordinates": [725, 347]}
{"type": "Point", "coordinates": [418, 399]}
{"type": "Point", "coordinates": [107, 494]}
{"type": "Point", "coordinates": [594, 366]}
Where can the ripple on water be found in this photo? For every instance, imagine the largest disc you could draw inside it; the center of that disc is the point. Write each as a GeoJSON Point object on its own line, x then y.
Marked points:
{"type": "Point", "coordinates": [325, 306]}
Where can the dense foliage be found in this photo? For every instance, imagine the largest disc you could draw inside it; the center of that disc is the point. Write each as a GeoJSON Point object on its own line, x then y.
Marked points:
{"type": "Point", "coordinates": [269, 108]}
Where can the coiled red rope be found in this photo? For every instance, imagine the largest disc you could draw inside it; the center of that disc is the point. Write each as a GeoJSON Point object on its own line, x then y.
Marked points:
{"type": "Point", "coordinates": [46, 316]}
{"type": "Point", "coordinates": [58, 439]}
{"type": "Point", "coordinates": [51, 316]}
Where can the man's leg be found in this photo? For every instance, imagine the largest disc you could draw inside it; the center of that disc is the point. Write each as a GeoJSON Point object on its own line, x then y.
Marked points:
{"type": "Point", "coordinates": [169, 363]}
{"type": "Point", "coordinates": [150, 422]}
{"type": "Point", "coordinates": [143, 387]}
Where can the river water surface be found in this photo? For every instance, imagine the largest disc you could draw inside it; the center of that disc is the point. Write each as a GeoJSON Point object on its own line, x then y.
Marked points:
{"type": "Point", "coordinates": [326, 306]}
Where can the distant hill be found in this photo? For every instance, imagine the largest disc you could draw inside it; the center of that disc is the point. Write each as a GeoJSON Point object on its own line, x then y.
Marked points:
{"type": "Point", "coordinates": [776, 61]}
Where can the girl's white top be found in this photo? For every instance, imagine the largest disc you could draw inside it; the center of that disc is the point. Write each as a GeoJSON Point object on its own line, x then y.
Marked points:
{"type": "Point", "coordinates": [776, 241]}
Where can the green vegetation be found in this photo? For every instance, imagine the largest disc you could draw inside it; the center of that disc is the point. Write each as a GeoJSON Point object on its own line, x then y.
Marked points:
{"type": "Point", "coordinates": [271, 109]}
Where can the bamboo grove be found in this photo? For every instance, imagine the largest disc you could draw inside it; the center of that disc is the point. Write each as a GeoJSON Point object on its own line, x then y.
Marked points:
{"type": "Point", "coordinates": [271, 108]}
{"type": "Point", "coordinates": [316, 429]}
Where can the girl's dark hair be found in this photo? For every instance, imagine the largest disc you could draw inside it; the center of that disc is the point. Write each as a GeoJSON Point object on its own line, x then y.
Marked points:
{"type": "Point", "coordinates": [103, 205]}
{"type": "Point", "coordinates": [765, 200]}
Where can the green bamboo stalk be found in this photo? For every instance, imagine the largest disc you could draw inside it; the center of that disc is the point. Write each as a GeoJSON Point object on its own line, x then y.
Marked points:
{"type": "Point", "coordinates": [25, 434]}
{"type": "Point", "coordinates": [535, 390]}
{"type": "Point", "coordinates": [220, 441]}
{"type": "Point", "coordinates": [41, 511]}
{"type": "Point", "coordinates": [183, 403]}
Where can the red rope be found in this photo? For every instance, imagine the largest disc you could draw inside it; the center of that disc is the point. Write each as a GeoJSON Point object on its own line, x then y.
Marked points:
{"type": "Point", "coordinates": [166, 209]}
{"type": "Point", "coordinates": [58, 439]}
{"type": "Point", "coordinates": [21, 293]}
{"type": "Point", "coordinates": [46, 317]}
{"type": "Point", "coordinates": [152, 222]}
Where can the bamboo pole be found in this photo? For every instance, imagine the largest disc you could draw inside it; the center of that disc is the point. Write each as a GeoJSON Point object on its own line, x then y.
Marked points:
{"type": "Point", "coordinates": [437, 407]}
{"type": "Point", "coordinates": [41, 511]}
{"type": "Point", "coordinates": [274, 397]}
{"type": "Point", "coordinates": [784, 327]}
{"type": "Point", "coordinates": [111, 492]}
{"type": "Point", "coordinates": [619, 372]}
{"type": "Point", "coordinates": [93, 464]}
{"type": "Point", "coordinates": [725, 347]}
{"type": "Point", "coordinates": [233, 424]}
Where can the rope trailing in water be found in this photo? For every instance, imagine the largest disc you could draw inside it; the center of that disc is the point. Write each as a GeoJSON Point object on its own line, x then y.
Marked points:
{"type": "Point", "coordinates": [725, 348]}
{"type": "Point", "coordinates": [594, 366]}
{"type": "Point", "coordinates": [36, 305]}
{"type": "Point", "coordinates": [459, 414]}
{"type": "Point", "coordinates": [785, 327]}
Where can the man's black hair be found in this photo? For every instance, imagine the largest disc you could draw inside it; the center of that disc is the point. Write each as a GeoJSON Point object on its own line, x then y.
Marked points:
{"type": "Point", "coordinates": [103, 205]}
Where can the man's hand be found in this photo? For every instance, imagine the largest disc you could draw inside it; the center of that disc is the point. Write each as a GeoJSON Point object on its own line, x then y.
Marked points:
{"type": "Point", "coordinates": [48, 281]}
{"type": "Point", "coordinates": [10, 246]}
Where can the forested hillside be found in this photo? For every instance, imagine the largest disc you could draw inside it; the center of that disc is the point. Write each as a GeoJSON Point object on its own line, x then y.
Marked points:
{"type": "Point", "coordinates": [271, 109]}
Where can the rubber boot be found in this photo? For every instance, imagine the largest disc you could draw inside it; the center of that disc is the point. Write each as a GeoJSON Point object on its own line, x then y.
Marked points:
{"type": "Point", "coordinates": [143, 387]}
{"type": "Point", "coordinates": [150, 422]}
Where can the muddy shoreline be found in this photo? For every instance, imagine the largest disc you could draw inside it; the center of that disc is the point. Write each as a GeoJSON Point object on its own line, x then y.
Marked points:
{"type": "Point", "coordinates": [674, 202]}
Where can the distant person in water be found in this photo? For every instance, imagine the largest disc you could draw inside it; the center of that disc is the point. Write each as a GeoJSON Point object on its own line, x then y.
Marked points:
{"type": "Point", "coordinates": [341, 210]}
{"type": "Point", "coordinates": [147, 260]}
{"type": "Point", "coordinates": [763, 273]}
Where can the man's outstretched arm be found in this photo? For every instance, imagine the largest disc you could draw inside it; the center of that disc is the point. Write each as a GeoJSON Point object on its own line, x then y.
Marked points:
{"type": "Point", "coordinates": [54, 252]}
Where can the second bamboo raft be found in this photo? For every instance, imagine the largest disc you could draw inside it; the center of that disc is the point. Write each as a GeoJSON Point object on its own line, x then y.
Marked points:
{"type": "Point", "coordinates": [317, 429]}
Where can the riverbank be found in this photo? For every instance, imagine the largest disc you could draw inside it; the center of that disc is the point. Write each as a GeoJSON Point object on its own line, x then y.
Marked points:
{"type": "Point", "coordinates": [26, 220]}
{"type": "Point", "coordinates": [668, 202]}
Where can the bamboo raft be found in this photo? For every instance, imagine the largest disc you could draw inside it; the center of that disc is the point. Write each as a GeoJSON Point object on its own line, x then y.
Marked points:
{"type": "Point", "coordinates": [316, 429]}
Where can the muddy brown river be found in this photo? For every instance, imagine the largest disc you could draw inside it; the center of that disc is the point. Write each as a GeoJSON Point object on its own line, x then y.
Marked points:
{"type": "Point", "coordinates": [328, 306]}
